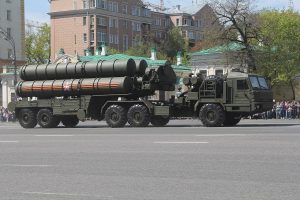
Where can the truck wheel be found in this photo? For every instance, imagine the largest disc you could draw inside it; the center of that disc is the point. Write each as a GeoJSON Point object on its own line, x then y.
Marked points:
{"type": "Point", "coordinates": [70, 121]}
{"type": "Point", "coordinates": [159, 121]}
{"type": "Point", "coordinates": [212, 115]}
{"type": "Point", "coordinates": [231, 119]}
{"type": "Point", "coordinates": [27, 118]}
{"type": "Point", "coordinates": [46, 119]}
{"type": "Point", "coordinates": [138, 116]}
{"type": "Point", "coordinates": [115, 116]}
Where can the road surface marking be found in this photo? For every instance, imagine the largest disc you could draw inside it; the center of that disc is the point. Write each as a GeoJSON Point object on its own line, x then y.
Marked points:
{"type": "Point", "coordinates": [16, 165]}
{"type": "Point", "coordinates": [54, 135]}
{"type": "Point", "coordinates": [9, 141]}
{"type": "Point", "coordinates": [67, 194]}
{"type": "Point", "coordinates": [221, 135]}
{"type": "Point", "coordinates": [169, 142]}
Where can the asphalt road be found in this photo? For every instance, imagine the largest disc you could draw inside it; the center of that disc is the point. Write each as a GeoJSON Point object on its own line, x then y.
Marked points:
{"type": "Point", "coordinates": [257, 160]}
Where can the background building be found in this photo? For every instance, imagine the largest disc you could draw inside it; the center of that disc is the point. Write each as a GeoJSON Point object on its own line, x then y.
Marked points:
{"type": "Point", "coordinates": [219, 60]}
{"type": "Point", "coordinates": [79, 25]}
{"type": "Point", "coordinates": [11, 22]}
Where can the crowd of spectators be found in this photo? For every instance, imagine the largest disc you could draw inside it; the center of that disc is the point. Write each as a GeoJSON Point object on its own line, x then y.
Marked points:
{"type": "Point", "coordinates": [281, 110]}
{"type": "Point", "coordinates": [6, 116]}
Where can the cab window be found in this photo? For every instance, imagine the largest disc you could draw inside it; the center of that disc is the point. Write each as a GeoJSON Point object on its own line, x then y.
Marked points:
{"type": "Point", "coordinates": [254, 82]}
{"type": "Point", "coordinates": [242, 85]}
{"type": "Point", "coordinates": [263, 83]}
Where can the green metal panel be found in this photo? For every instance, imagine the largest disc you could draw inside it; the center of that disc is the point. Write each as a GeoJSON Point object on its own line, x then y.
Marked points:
{"type": "Point", "coordinates": [162, 110]}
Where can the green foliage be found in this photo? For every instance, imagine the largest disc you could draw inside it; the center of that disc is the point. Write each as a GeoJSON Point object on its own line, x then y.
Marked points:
{"type": "Point", "coordinates": [174, 43]}
{"type": "Point", "coordinates": [37, 45]}
{"type": "Point", "coordinates": [111, 50]}
{"type": "Point", "coordinates": [280, 55]}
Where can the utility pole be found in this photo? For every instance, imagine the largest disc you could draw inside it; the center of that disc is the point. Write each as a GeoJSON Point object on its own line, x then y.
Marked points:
{"type": "Point", "coordinates": [6, 36]}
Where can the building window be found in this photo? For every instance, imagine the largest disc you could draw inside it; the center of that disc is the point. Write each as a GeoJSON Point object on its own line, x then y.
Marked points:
{"type": "Point", "coordinates": [92, 20]}
{"type": "Point", "coordinates": [102, 4]}
{"type": "Point", "coordinates": [111, 38]}
{"type": "Point", "coordinates": [92, 36]}
{"type": "Point", "coordinates": [125, 24]}
{"type": "Point", "coordinates": [185, 22]}
{"type": "Point", "coordinates": [125, 42]}
{"type": "Point", "coordinates": [158, 34]}
{"type": "Point", "coordinates": [84, 21]}
{"type": "Point", "coordinates": [8, 15]}
{"type": "Point", "coordinates": [84, 37]}
{"type": "Point", "coordinates": [136, 11]}
{"type": "Point", "coordinates": [177, 22]}
{"type": "Point", "coordinates": [157, 22]}
{"type": "Point", "coordinates": [115, 7]}
{"type": "Point", "coordinates": [125, 9]}
{"type": "Point", "coordinates": [136, 26]}
{"type": "Point", "coordinates": [110, 7]}
{"type": "Point", "coordinates": [113, 23]}
{"type": "Point", "coordinates": [75, 39]}
{"type": "Point", "coordinates": [85, 4]}
{"type": "Point", "coordinates": [101, 21]}
{"type": "Point", "coordinates": [9, 32]}
{"type": "Point", "coordinates": [116, 39]}
{"type": "Point", "coordinates": [146, 12]}
{"type": "Point", "coordinates": [101, 37]}
{"type": "Point", "coordinates": [191, 35]}
{"type": "Point", "coordinates": [92, 3]}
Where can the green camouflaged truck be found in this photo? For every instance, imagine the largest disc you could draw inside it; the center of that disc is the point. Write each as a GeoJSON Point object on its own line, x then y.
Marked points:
{"type": "Point", "coordinates": [119, 92]}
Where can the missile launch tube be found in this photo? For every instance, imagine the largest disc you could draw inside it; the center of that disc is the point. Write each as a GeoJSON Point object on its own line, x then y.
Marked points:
{"type": "Point", "coordinates": [107, 68]}
{"type": "Point", "coordinates": [74, 87]}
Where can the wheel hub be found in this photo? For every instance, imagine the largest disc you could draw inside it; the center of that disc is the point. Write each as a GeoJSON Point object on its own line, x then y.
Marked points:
{"type": "Point", "coordinates": [211, 116]}
{"type": "Point", "coordinates": [25, 118]}
{"type": "Point", "coordinates": [115, 116]}
{"type": "Point", "coordinates": [45, 118]}
{"type": "Point", "coordinates": [137, 116]}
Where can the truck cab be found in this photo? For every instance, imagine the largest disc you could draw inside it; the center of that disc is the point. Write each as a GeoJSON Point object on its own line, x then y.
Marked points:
{"type": "Point", "coordinates": [223, 101]}
{"type": "Point", "coordinates": [247, 93]}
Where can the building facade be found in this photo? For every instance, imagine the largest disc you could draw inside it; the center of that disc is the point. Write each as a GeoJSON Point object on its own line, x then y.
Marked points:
{"type": "Point", "coordinates": [12, 23]}
{"type": "Point", "coordinates": [219, 60]}
{"type": "Point", "coordinates": [79, 25]}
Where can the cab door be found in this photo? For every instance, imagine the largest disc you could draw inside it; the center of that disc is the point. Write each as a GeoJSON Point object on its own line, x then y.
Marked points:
{"type": "Point", "coordinates": [241, 92]}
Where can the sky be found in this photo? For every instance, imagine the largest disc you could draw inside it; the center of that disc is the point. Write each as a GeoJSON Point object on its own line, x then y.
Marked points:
{"type": "Point", "coordinates": [36, 10]}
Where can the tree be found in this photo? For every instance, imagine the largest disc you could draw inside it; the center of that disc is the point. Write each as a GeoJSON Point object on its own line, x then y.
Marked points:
{"type": "Point", "coordinates": [280, 53]}
{"type": "Point", "coordinates": [240, 23]}
{"type": "Point", "coordinates": [37, 45]}
{"type": "Point", "coordinates": [174, 43]}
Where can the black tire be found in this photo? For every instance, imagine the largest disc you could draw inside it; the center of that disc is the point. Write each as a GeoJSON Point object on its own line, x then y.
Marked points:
{"type": "Point", "coordinates": [138, 116]}
{"type": "Point", "coordinates": [212, 115]}
{"type": "Point", "coordinates": [70, 121]}
{"type": "Point", "coordinates": [46, 119]}
{"type": "Point", "coordinates": [115, 116]}
{"type": "Point", "coordinates": [159, 121]}
{"type": "Point", "coordinates": [27, 118]}
{"type": "Point", "coordinates": [231, 119]}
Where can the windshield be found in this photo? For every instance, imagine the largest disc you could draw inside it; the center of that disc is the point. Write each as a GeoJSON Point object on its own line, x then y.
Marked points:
{"type": "Point", "coordinates": [258, 83]}
{"type": "Point", "coordinates": [263, 83]}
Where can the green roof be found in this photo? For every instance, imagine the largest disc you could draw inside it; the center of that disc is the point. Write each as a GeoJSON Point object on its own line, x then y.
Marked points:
{"type": "Point", "coordinates": [181, 68]}
{"type": "Point", "coordinates": [220, 49]}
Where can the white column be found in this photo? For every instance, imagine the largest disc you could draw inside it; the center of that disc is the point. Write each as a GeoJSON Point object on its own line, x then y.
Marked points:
{"type": "Point", "coordinates": [4, 93]}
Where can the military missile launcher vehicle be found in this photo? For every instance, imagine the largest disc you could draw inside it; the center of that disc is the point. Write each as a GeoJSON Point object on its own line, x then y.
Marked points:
{"type": "Point", "coordinates": [117, 91]}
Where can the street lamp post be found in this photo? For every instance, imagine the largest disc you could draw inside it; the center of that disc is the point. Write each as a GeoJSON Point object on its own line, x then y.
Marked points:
{"type": "Point", "coordinates": [10, 39]}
